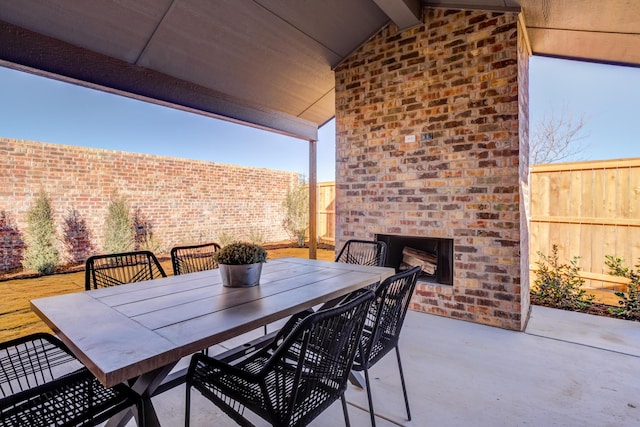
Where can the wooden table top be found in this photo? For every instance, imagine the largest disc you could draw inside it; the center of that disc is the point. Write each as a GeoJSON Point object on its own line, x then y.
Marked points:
{"type": "Point", "coordinates": [125, 331]}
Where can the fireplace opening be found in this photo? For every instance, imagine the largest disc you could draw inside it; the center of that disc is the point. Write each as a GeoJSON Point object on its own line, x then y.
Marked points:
{"type": "Point", "coordinates": [434, 255]}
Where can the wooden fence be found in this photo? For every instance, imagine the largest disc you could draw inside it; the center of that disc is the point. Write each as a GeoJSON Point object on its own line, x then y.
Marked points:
{"type": "Point", "coordinates": [326, 226]}
{"type": "Point", "coordinates": [588, 209]}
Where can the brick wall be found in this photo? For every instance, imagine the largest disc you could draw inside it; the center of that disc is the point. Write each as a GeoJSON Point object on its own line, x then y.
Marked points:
{"type": "Point", "coordinates": [185, 201]}
{"type": "Point", "coordinates": [458, 85]}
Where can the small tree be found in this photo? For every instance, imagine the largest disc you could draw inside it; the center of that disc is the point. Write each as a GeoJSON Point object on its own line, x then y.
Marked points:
{"type": "Point", "coordinates": [560, 285]}
{"type": "Point", "coordinates": [629, 301]}
{"type": "Point", "coordinates": [41, 254]}
{"type": "Point", "coordinates": [296, 203]}
{"type": "Point", "coordinates": [119, 235]}
{"type": "Point", "coordinates": [557, 138]}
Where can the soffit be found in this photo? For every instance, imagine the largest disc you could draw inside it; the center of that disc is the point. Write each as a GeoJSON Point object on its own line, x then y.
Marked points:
{"type": "Point", "coordinates": [586, 30]}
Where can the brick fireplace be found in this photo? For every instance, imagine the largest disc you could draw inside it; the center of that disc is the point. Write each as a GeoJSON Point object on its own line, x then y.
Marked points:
{"type": "Point", "coordinates": [432, 142]}
{"type": "Point", "coordinates": [436, 262]}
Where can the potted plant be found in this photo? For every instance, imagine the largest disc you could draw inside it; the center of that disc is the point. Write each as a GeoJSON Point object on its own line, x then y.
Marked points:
{"type": "Point", "coordinates": [241, 264]}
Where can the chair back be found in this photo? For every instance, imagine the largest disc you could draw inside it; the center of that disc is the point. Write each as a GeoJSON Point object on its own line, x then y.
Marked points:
{"type": "Point", "coordinates": [324, 345]}
{"type": "Point", "coordinates": [102, 271]}
{"type": "Point", "coordinates": [190, 259]}
{"type": "Point", "coordinates": [42, 384]}
{"type": "Point", "coordinates": [33, 361]}
{"type": "Point", "coordinates": [363, 252]}
{"type": "Point", "coordinates": [386, 316]}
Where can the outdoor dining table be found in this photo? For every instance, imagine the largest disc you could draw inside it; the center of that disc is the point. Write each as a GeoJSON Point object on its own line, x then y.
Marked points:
{"type": "Point", "coordinates": [137, 333]}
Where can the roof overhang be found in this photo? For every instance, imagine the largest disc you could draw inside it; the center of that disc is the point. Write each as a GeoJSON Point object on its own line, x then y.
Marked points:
{"type": "Point", "coordinates": [266, 63]}
{"type": "Point", "coordinates": [35, 53]}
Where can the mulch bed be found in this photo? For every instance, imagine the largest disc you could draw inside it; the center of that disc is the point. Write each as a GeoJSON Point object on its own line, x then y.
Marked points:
{"type": "Point", "coordinates": [20, 274]}
{"type": "Point", "coordinates": [595, 308]}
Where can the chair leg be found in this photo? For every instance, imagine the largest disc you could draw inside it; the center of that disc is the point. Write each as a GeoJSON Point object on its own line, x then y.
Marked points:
{"type": "Point", "coordinates": [141, 420]}
{"type": "Point", "coordinates": [404, 387]}
{"type": "Point", "coordinates": [368, 385]}
{"type": "Point", "coordinates": [344, 410]}
{"type": "Point", "coordinates": [187, 401]}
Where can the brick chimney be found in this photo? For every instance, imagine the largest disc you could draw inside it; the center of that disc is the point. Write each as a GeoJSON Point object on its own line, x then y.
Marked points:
{"type": "Point", "coordinates": [432, 141]}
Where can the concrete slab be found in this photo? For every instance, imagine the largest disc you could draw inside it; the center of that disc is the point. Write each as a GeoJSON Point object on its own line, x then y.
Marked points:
{"type": "Point", "coordinates": [565, 370]}
{"type": "Point", "coordinates": [612, 334]}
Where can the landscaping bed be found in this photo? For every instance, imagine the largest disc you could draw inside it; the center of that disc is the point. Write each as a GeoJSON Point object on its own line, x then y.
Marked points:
{"type": "Point", "coordinates": [596, 308]}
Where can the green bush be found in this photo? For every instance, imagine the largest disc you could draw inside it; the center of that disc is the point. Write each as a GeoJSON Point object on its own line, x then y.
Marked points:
{"type": "Point", "coordinates": [559, 285]}
{"type": "Point", "coordinates": [296, 204]}
{"type": "Point", "coordinates": [41, 254]}
{"type": "Point", "coordinates": [241, 253]}
{"type": "Point", "coordinates": [119, 235]}
{"type": "Point", "coordinates": [629, 301]}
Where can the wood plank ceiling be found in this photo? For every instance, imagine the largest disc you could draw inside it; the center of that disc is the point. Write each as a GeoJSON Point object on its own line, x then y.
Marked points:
{"type": "Point", "coordinates": [267, 63]}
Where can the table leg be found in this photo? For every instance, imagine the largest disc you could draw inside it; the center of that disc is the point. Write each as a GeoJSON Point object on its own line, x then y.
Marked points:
{"type": "Point", "coordinates": [145, 385]}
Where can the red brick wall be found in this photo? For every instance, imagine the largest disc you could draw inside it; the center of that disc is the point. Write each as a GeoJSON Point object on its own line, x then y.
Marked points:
{"type": "Point", "coordinates": [458, 84]}
{"type": "Point", "coordinates": [11, 242]}
{"type": "Point", "coordinates": [186, 201]}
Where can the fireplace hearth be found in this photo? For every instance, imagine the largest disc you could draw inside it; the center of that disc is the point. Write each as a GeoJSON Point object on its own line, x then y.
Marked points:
{"type": "Point", "coordinates": [435, 255]}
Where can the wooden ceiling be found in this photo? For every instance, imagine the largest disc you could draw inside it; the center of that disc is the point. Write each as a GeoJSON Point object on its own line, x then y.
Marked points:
{"type": "Point", "coordinates": [267, 63]}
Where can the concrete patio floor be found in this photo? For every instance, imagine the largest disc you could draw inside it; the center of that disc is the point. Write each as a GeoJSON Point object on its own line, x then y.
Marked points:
{"type": "Point", "coordinates": [566, 369]}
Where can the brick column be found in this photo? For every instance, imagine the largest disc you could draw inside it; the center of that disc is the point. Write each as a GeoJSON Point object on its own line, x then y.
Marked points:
{"type": "Point", "coordinates": [431, 128]}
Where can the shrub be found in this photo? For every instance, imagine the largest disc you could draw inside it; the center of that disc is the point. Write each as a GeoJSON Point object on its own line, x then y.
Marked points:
{"type": "Point", "coordinates": [151, 244]}
{"type": "Point", "coordinates": [296, 204]}
{"type": "Point", "coordinates": [119, 235]}
{"type": "Point", "coordinates": [41, 254]}
{"type": "Point", "coordinates": [144, 237]}
{"type": "Point", "coordinates": [226, 237]}
{"type": "Point", "coordinates": [76, 237]}
{"type": "Point", "coordinates": [256, 236]}
{"type": "Point", "coordinates": [629, 301]}
{"type": "Point", "coordinates": [559, 285]}
{"type": "Point", "coordinates": [241, 253]}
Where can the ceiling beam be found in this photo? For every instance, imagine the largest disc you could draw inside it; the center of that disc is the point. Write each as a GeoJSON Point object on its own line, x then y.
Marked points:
{"type": "Point", "coordinates": [404, 13]}
{"type": "Point", "coordinates": [35, 53]}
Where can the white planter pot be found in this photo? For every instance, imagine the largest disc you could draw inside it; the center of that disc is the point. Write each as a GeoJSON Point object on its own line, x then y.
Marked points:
{"type": "Point", "coordinates": [240, 276]}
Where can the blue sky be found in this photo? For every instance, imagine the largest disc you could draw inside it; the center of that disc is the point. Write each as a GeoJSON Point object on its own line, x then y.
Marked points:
{"type": "Point", "coordinates": [608, 96]}
{"type": "Point", "coordinates": [39, 109]}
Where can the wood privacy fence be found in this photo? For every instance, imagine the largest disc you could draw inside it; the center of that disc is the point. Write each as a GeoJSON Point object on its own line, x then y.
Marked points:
{"type": "Point", "coordinates": [326, 226]}
{"type": "Point", "coordinates": [590, 210]}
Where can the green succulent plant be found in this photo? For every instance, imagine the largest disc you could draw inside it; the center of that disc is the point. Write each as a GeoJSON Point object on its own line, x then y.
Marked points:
{"type": "Point", "coordinates": [241, 253]}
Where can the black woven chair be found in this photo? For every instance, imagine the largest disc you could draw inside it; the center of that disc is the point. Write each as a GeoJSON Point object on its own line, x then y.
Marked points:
{"type": "Point", "coordinates": [295, 378]}
{"type": "Point", "coordinates": [102, 271]}
{"type": "Point", "coordinates": [43, 384]}
{"type": "Point", "coordinates": [190, 259]}
{"type": "Point", "coordinates": [363, 252]}
{"type": "Point", "coordinates": [382, 328]}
